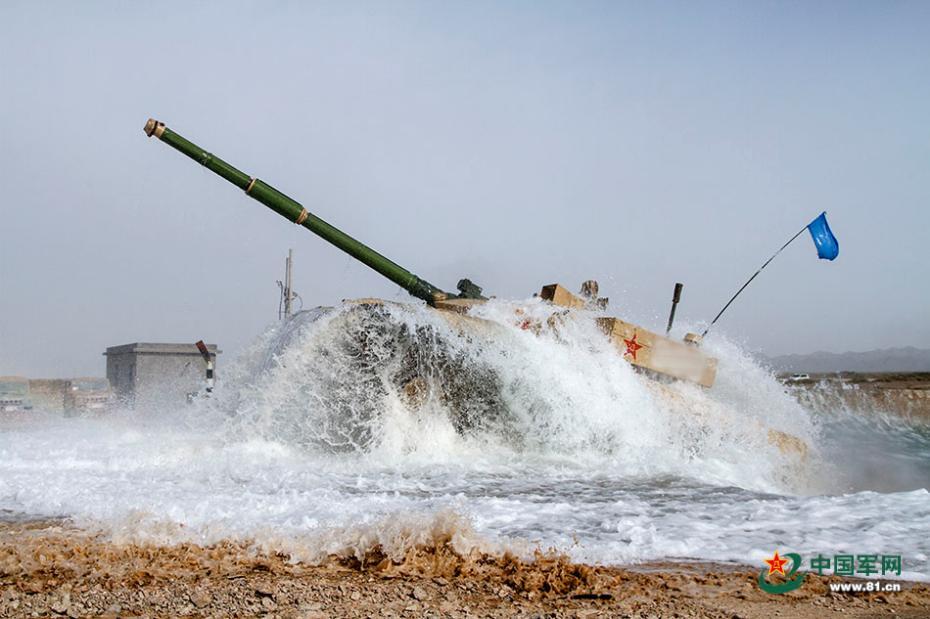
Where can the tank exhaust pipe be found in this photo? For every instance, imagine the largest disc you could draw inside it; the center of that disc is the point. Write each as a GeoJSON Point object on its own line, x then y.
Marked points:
{"type": "Point", "coordinates": [676, 297]}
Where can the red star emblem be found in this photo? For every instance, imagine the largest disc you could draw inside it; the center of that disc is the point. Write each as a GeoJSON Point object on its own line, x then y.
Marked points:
{"type": "Point", "coordinates": [632, 346]}
{"type": "Point", "coordinates": [776, 565]}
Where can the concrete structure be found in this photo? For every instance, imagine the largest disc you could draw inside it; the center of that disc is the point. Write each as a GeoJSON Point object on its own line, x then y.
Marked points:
{"type": "Point", "coordinates": [71, 396]}
{"type": "Point", "coordinates": [48, 394]}
{"type": "Point", "coordinates": [14, 394]}
{"type": "Point", "coordinates": [147, 375]}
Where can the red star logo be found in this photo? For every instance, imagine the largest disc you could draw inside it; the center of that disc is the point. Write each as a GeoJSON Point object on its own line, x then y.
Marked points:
{"type": "Point", "coordinates": [776, 565]}
{"type": "Point", "coordinates": [632, 346]}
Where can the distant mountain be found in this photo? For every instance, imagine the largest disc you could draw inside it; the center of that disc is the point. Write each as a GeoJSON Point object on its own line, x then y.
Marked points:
{"type": "Point", "coordinates": [908, 359]}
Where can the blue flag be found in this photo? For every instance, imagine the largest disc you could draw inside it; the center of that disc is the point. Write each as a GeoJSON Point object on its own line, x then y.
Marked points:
{"type": "Point", "coordinates": [828, 247]}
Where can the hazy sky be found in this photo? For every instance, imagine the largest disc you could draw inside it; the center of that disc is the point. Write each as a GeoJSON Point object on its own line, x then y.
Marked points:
{"type": "Point", "coordinates": [515, 143]}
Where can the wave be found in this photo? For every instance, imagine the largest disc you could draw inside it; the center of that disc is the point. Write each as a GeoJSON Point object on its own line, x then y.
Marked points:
{"type": "Point", "coordinates": [401, 383]}
{"type": "Point", "coordinates": [372, 430]}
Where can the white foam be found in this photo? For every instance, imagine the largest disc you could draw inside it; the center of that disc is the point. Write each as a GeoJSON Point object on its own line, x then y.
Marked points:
{"type": "Point", "coordinates": [311, 450]}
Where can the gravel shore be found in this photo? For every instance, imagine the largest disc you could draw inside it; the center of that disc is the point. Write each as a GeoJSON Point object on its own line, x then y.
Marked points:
{"type": "Point", "coordinates": [51, 569]}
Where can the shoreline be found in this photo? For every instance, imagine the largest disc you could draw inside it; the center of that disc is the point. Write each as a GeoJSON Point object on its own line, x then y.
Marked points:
{"type": "Point", "coordinates": [48, 568]}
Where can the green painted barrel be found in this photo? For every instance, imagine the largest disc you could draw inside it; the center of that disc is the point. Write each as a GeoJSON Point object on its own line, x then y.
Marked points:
{"type": "Point", "coordinates": [291, 209]}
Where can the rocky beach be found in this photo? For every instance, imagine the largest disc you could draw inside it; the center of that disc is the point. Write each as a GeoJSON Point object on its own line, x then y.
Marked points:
{"type": "Point", "coordinates": [49, 569]}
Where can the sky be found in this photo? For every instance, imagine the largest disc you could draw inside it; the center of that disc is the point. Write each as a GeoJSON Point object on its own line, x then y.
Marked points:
{"type": "Point", "coordinates": [514, 143]}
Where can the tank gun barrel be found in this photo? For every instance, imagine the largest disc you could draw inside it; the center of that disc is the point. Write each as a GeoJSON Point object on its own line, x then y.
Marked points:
{"type": "Point", "coordinates": [291, 209]}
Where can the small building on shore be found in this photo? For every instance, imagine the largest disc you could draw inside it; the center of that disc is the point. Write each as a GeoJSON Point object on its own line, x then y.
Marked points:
{"type": "Point", "coordinates": [48, 394]}
{"type": "Point", "coordinates": [155, 375]}
{"type": "Point", "coordinates": [71, 396]}
{"type": "Point", "coordinates": [14, 394]}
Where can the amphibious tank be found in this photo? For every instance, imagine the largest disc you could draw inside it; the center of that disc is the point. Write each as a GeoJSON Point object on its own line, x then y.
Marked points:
{"type": "Point", "coordinates": [641, 347]}
{"type": "Point", "coordinates": [661, 358]}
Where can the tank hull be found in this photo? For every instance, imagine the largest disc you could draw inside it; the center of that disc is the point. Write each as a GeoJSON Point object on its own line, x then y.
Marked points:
{"type": "Point", "coordinates": [428, 371]}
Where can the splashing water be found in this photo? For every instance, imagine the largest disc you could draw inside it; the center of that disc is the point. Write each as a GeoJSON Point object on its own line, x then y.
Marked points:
{"type": "Point", "coordinates": [355, 426]}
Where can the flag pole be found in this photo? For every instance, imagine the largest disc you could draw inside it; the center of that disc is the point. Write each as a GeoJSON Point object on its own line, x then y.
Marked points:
{"type": "Point", "coordinates": [733, 298]}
